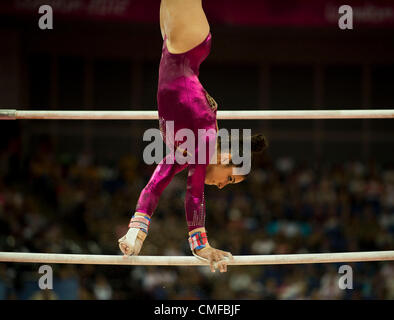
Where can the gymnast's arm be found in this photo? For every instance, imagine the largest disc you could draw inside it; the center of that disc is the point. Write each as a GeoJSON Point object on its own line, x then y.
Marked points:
{"type": "Point", "coordinates": [195, 213]}
{"type": "Point", "coordinates": [131, 243]}
{"type": "Point", "coordinates": [161, 177]}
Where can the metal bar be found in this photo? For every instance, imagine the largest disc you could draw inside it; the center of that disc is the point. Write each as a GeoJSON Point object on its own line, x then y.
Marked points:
{"type": "Point", "coordinates": [193, 261]}
{"type": "Point", "coordinates": [7, 114]}
{"type": "Point", "coordinates": [221, 115]}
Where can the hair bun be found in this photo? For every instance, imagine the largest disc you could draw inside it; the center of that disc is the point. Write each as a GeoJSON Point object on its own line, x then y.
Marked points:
{"type": "Point", "coordinates": [259, 143]}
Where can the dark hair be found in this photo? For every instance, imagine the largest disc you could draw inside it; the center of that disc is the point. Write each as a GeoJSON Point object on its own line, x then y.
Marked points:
{"type": "Point", "coordinates": [259, 143]}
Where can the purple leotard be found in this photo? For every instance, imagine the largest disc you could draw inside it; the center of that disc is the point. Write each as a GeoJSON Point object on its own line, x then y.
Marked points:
{"type": "Point", "coordinates": [183, 100]}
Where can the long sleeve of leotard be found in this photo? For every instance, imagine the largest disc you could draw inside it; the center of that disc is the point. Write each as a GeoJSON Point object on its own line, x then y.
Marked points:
{"type": "Point", "coordinates": [159, 180]}
{"type": "Point", "coordinates": [194, 199]}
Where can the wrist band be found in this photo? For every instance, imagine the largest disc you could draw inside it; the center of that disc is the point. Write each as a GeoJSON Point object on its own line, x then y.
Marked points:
{"type": "Point", "coordinates": [198, 240]}
{"type": "Point", "coordinates": [140, 222]}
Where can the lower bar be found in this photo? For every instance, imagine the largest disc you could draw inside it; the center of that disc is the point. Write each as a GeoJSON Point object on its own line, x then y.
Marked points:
{"type": "Point", "coordinates": [193, 261]}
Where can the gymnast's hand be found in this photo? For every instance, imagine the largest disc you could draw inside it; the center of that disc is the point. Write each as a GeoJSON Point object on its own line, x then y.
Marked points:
{"type": "Point", "coordinates": [131, 243]}
{"type": "Point", "coordinates": [216, 258]}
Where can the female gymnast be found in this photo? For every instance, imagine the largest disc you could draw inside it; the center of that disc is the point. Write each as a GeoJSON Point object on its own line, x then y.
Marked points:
{"type": "Point", "coordinates": [183, 100]}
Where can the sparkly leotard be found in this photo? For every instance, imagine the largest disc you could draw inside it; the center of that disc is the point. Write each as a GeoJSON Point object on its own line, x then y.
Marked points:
{"type": "Point", "coordinates": [182, 100]}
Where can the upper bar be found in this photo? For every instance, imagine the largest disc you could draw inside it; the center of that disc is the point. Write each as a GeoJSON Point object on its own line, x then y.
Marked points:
{"type": "Point", "coordinates": [193, 261]}
{"type": "Point", "coordinates": [12, 114]}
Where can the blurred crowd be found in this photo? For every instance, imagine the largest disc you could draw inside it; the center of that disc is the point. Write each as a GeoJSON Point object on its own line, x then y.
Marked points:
{"type": "Point", "coordinates": [52, 202]}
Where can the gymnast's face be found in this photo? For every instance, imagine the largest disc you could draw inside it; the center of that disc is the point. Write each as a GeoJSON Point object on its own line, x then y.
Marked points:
{"type": "Point", "coordinates": [221, 175]}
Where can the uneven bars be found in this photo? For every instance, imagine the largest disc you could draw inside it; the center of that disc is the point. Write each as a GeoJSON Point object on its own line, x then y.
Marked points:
{"type": "Point", "coordinates": [193, 261]}
{"type": "Point", "coordinates": [13, 114]}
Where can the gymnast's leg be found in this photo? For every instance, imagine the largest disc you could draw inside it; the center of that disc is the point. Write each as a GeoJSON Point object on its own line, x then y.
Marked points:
{"type": "Point", "coordinates": [184, 24]}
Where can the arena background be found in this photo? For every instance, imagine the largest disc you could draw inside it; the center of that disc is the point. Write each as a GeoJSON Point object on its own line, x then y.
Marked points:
{"type": "Point", "coordinates": [323, 185]}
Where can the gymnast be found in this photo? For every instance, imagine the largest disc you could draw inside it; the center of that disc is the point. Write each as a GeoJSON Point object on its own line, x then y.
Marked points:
{"type": "Point", "coordinates": [182, 99]}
